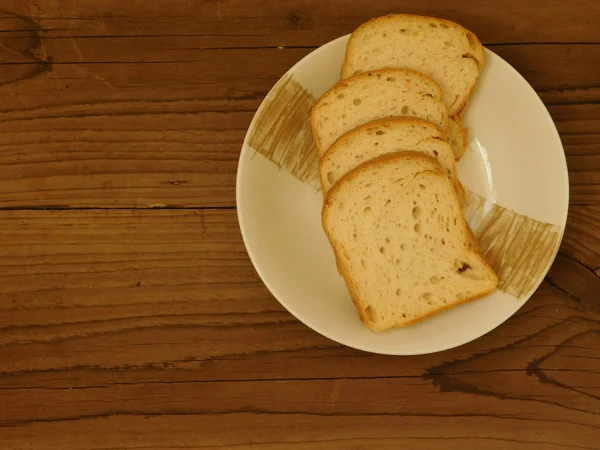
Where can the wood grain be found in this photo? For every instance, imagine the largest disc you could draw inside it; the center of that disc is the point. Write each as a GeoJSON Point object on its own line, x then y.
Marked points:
{"type": "Point", "coordinates": [581, 239]}
{"type": "Point", "coordinates": [130, 314]}
{"type": "Point", "coordinates": [130, 135]}
{"type": "Point", "coordinates": [155, 319]}
{"type": "Point", "coordinates": [259, 23]}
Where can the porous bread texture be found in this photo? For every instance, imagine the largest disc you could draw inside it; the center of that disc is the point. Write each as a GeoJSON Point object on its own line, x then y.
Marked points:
{"type": "Point", "coordinates": [444, 50]}
{"type": "Point", "coordinates": [384, 136]}
{"type": "Point", "coordinates": [376, 95]}
{"type": "Point", "coordinates": [401, 241]}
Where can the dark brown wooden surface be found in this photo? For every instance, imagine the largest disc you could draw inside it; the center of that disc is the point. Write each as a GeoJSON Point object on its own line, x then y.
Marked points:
{"type": "Point", "coordinates": [130, 314]}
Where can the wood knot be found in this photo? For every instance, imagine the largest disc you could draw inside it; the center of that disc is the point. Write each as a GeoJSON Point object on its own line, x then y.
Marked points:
{"type": "Point", "coordinates": [20, 45]}
{"type": "Point", "coordinates": [296, 19]}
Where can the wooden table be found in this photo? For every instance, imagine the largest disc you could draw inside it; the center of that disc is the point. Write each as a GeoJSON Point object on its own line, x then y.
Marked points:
{"type": "Point", "coordinates": [130, 314]}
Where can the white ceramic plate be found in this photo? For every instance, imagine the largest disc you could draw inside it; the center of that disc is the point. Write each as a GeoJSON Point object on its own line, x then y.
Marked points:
{"type": "Point", "coordinates": [515, 159]}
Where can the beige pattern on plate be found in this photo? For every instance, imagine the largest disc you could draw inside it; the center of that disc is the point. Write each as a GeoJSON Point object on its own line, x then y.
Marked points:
{"type": "Point", "coordinates": [518, 248]}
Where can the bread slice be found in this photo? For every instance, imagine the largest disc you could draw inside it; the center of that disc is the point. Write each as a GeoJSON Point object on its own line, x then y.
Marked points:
{"type": "Point", "coordinates": [444, 50]}
{"type": "Point", "coordinates": [401, 241]}
{"type": "Point", "coordinates": [386, 136]}
{"type": "Point", "coordinates": [375, 95]}
{"type": "Point", "coordinates": [458, 137]}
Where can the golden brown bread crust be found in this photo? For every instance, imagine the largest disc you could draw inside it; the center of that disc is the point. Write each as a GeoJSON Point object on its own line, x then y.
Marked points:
{"type": "Point", "coordinates": [348, 81]}
{"type": "Point", "coordinates": [447, 307]}
{"type": "Point", "coordinates": [387, 120]}
{"type": "Point", "coordinates": [350, 134]}
{"type": "Point", "coordinates": [475, 45]}
{"type": "Point", "coordinates": [461, 113]}
{"type": "Point", "coordinates": [341, 268]}
{"type": "Point", "coordinates": [379, 160]}
{"type": "Point", "coordinates": [474, 42]}
{"type": "Point", "coordinates": [373, 326]}
{"type": "Point", "coordinates": [462, 107]}
{"type": "Point", "coordinates": [464, 136]}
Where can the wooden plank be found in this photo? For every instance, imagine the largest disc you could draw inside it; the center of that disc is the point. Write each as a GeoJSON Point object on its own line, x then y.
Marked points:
{"type": "Point", "coordinates": [582, 236]}
{"type": "Point", "coordinates": [116, 322]}
{"type": "Point", "coordinates": [302, 432]}
{"type": "Point", "coordinates": [133, 135]}
{"type": "Point", "coordinates": [562, 74]}
{"type": "Point", "coordinates": [149, 328]}
{"type": "Point", "coordinates": [87, 275]}
{"type": "Point", "coordinates": [578, 125]}
{"type": "Point", "coordinates": [256, 23]}
{"type": "Point", "coordinates": [543, 67]}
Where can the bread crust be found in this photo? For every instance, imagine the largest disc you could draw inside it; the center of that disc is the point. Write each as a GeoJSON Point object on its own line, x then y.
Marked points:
{"type": "Point", "coordinates": [437, 171]}
{"type": "Point", "coordinates": [378, 122]}
{"type": "Point", "coordinates": [464, 135]}
{"type": "Point", "coordinates": [342, 84]}
{"type": "Point", "coordinates": [475, 46]}
{"type": "Point", "coordinates": [380, 160]}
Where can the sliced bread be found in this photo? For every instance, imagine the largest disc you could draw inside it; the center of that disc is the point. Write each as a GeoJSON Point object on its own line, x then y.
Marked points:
{"type": "Point", "coordinates": [386, 136]}
{"type": "Point", "coordinates": [457, 136]}
{"type": "Point", "coordinates": [444, 50]}
{"type": "Point", "coordinates": [375, 95]}
{"type": "Point", "coordinates": [401, 241]}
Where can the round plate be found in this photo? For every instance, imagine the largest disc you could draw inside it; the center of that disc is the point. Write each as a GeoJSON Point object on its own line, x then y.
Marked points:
{"type": "Point", "coordinates": [515, 159]}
